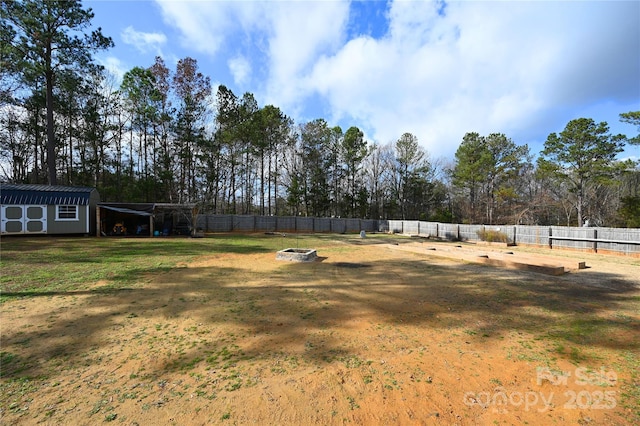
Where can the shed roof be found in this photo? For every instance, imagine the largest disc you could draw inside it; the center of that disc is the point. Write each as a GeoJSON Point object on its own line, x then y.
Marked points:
{"type": "Point", "coordinates": [11, 193]}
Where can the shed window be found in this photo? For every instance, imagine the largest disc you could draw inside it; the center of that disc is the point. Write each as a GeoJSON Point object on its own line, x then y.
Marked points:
{"type": "Point", "coordinates": [67, 213]}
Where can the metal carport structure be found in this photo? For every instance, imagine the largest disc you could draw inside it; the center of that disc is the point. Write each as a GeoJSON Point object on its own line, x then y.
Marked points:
{"type": "Point", "coordinates": [150, 210]}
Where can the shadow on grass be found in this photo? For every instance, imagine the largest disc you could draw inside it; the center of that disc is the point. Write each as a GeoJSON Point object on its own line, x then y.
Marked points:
{"type": "Point", "coordinates": [33, 266]}
{"type": "Point", "coordinates": [31, 294]}
{"type": "Point", "coordinates": [299, 304]}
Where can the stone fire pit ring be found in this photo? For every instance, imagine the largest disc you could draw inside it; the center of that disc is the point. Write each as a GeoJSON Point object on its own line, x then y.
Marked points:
{"type": "Point", "coordinates": [297, 255]}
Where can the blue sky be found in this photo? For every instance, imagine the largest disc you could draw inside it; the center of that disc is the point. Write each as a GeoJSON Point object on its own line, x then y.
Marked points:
{"type": "Point", "coordinates": [435, 69]}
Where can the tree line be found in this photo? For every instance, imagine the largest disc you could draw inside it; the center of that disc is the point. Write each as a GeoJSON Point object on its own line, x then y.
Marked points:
{"type": "Point", "coordinates": [162, 135]}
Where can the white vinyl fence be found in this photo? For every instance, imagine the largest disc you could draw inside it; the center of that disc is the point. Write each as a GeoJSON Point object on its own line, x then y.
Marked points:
{"type": "Point", "coordinates": [599, 240]}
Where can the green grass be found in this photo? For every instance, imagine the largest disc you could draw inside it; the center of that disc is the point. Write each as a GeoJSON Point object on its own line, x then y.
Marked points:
{"type": "Point", "coordinates": [542, 321]}
{"type": "Point", "coordinates": [630, 389]}
{"type": "Point", "coordinates": [51, 265]}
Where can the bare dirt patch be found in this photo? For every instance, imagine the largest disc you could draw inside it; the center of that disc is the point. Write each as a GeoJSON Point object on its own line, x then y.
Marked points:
{"type": "Point", "coordinates": [367, 335]}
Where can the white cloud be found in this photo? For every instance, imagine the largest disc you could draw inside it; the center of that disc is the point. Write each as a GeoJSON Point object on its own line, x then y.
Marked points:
{"type": "Point", "coordinates": [240, 69]}
{"type": "Point", "coordinates": [289, 36]}
{"type": "Point", "coordinates": [206, 25]}
{"type": "Point", "coordinates": [299, 33]}
{"type": "Point", "coordinates": [144, 42]}
{"type": "Point", "coordinates": [114, 66]}
{"type": "Point", "coordinates": [482, 66]}
{"type": "Point", "coordinates": [441, 70]}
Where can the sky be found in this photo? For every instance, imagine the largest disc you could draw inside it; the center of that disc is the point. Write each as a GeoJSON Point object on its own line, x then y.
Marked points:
{"type": "Point", "coordinates": [435, 69]}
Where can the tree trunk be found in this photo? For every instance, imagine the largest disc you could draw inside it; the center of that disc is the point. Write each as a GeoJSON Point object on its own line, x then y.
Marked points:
{"type": "Point", "coordinates": [51, 141]}
{"type": "Point", "coordinates": [579, 208]}
{"type": "Point", "coordinates": [36, 147]}
{"type": "Point", "coordinates": [262, 182]}
{"type": "Point", "coordinates": [269, 183]}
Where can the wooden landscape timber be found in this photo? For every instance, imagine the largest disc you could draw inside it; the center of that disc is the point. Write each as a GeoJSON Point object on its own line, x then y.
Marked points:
{"type": "Point", "coordinates": [549, 265]}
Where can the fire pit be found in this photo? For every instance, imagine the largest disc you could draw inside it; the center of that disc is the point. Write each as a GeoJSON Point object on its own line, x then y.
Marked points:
{"type": "Point", "coordinates": [297, 255]}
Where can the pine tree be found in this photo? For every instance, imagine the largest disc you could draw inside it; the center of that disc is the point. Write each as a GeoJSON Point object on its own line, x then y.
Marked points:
{"type": "Point", "coordinates": [45, 39]}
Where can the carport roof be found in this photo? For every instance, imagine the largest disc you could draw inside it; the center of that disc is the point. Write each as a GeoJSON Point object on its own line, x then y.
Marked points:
{"type": "Point", "coordinates": [11, 193]}
{"type": "Point", "coordinates": [142, 209]}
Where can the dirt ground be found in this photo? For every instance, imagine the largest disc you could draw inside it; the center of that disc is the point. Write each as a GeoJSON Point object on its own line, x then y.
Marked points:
{"type": "Point", "coordinates": [366, 335]}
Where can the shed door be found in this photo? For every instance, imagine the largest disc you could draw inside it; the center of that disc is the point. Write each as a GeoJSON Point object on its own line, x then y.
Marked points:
{"type": "Point", "coordinates": [29, 219]}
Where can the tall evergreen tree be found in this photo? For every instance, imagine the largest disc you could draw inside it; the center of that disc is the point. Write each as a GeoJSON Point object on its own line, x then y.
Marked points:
{"type": "Point", "coordinates": [163, 161]}
{"type": "Point", "coordinates": [583, 153]}
{"type": "Point", "coordinates": [504, 161]}
{"type": "Point", "coordinates": [8, 70]}
{"type": "Point", "coordinates": [354, 150]}
{"type": "Point", "coordinates": [228, 120]}
{"type": "Point", "coordinates": [248, 133]}
{"type": "Point", "coordinates": [315, 143]}
{"type": "Point", "coordinates": [633, 118]}
{"type": "Point", "coordinates": [335, 171]}
{"type": "Point", "coordinates": [273, 130]}
{"type": "Point", "coordinates": [49, 38]}
{"type": "Point", "coordinates": [469, 173]}
{"type": "Point", "coordinates": [487, 170]}
{"type": "Point", "coordinates": [411, 164]}
{"type": "Point", "coordinates": [141, 99]}
{"type": "Point", "coordinates": [193, 90]}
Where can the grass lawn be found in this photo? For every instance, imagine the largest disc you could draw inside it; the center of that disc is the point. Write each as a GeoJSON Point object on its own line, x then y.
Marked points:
{"type": "Point", "coordinates": [216, 331]}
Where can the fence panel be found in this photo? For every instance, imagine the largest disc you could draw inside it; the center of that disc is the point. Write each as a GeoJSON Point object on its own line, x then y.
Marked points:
{"type": "Point", "coordinates": [337, 226]}
{"type": "Point", "coordinates": [395, 226]}
{"type": "Point", "coordinates": [304, 224]}
{"type": "Point", "coordinates": [616, 236]}
{"type": "Point", "coordinates": [449, 231]}
{"type": "Point", "coordinates": [532, 235]}
{"type": "Point", "coordinates": [571, 232]}
{"type": "Point", "coordinates": [369, 225]}
{"type": "Point", "coordinates": [353, 226]}
{"type": "Point", "coordinates": [428, 229]}
{"type": "Point", "coordinates": [383, 226]}
{"type": "Point", "coordinates": [322, 224]}
{"type": "Point", "coordinates": [285, 223]}
{"type": "Point", "coordinates": [603, 240]}
{"type": "Point", "coordinates": [266, 224]}
{"type": "Point", "coordinates": [217, 223]}
{"type": "Point", "coordinates": [244, 223]}
{"type": "Point", "coordinates": [469, 232]}
{"type": "Point", "coordinates": [411, 227]}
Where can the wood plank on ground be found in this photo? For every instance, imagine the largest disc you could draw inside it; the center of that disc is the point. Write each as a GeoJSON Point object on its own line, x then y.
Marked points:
{"type": "Point", "coordinates": [511, 259]}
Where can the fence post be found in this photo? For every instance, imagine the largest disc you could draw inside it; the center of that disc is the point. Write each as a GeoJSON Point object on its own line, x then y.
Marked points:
{"type": "Point", "coordinates": [595, 240]}
{"type": "Point", "coordinates": [515, 228]}
{"type": "Point", "coordinates": [550, 239]}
